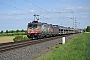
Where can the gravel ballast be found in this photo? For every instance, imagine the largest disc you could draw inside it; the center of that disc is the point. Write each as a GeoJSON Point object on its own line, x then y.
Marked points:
{"type": "Point", "coordinates": [26, 53]}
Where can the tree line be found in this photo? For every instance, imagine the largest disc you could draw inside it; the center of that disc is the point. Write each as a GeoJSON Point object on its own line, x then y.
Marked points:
{"type": "Point", "coordinates": [13, 31]}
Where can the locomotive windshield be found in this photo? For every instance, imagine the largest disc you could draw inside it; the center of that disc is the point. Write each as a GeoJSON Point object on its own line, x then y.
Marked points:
{"type": "Point", "coordinates": [32, 26]}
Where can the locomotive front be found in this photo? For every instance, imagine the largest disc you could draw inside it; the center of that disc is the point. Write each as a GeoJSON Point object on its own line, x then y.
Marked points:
{"type": "Point", "coordinates": [33, 29]}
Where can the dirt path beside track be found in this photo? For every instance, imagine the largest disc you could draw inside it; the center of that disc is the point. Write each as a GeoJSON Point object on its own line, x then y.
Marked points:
{"type": "Point", "coordinates": [6, 39]}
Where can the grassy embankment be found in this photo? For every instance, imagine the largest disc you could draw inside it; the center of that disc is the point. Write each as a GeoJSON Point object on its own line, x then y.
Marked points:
{"type": "Point", "coordinates": [77, 48]}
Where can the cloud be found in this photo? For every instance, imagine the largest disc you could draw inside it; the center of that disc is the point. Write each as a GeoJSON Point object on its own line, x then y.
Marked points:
{"type": "Point", "coordinates": [70, 8]}
{"type": "Point", "coordinates": [45, 17]}
{"type": "Point", "coordinates": [79, 9]}
{"type": "Point", "coordinates": [30, 4]}
{"type": "Point", "coordinates": [8, 17]}
{"type": "Point", "coordinates": [57, 11]}
{"type": "Point", "coordinates": [5, 17]}
{"type": "Point", "coordinates": [69, 16]}
{"type": "Point", "coordinates": [14, 12]}
{"type": "Point", "coordinates": [86, 13]}
{"type": "Point", "coordinates": [19, 12]}
{"type": "Point", "coordinates": [84, 16]}
{"type": "Point", "coordinates": [83, 8]}
{"type": "Point", "coordinates": [67, 0]}
{"type": "Point", "coordinates": [32, 11]}
{"type": "Point", "coordinates": [60, 12]}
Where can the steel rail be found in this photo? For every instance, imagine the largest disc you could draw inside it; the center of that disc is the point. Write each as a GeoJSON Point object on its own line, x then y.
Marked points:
{"type": "Point", "coordinates": [10, 46]}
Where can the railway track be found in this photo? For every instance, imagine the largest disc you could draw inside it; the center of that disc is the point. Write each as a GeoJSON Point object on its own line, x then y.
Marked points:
{"type": "Point", "coordinates": [14, 45]}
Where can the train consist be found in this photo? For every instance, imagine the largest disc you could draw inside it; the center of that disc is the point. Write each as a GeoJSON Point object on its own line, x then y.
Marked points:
{"type": "Point", "coordinates": [37, 30]}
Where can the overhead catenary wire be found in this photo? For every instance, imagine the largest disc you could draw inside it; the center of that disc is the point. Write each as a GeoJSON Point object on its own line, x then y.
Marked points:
{"type": "Point", "coordinates": [29, 7]}
{"type": "Point", "coordinates": [35, 5]}
{"type": "Point", "coordinates": [50, 11]}
{"type": "Point", "coordinates": [42, 5]}
{"type": "Point", "coordinates": [45, 14]}
{"type": "Point", "coordinates": [19, 4]}
{"type": "Point", "coordinates": [40, 8]}
{"type": "Point", "coordinates": [44, 9]}
{"type": "Point", "coordinates": [21, 9]}
{"type": "Point", "coordinates": [15, 7]}
{"type": "Point", "coordinates": [25, 6]}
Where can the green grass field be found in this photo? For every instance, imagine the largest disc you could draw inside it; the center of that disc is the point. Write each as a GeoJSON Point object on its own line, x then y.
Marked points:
{"type": "Point", "coordinates": [77, 48]}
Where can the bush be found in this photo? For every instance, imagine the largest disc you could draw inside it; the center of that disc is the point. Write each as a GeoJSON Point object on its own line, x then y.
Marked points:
{"type": "Point", "coordinates": [26, 38]}
{"type": "Point", "coordinates": [88, 29]}
{"type": "Point", "coordinates": [20, 38]}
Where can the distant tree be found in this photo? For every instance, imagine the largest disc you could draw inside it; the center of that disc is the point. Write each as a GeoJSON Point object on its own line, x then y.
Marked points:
{"type": "Point", "coordinates": [12, 31]}
{"type": "Point", "coordinates": [17, 30]}
{"type": "Point", "coordinates": [25, 31]}
{"type": "Point", "coordinates": [1, 31]}
{"type": "Point", "coordinates": [88, 29]}
{"type": "Point", "coordinates": [22, 30]}
{"type": "Point", "coordinates": [7, 31]}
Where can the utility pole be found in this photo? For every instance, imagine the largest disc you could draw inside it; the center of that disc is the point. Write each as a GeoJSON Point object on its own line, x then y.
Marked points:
{"type": "Point", "coordinates": [73, 18]}
{"type": "Point", "coordinates": [78, 25]}
{"type": "Point", "coordinates": [75, 24]}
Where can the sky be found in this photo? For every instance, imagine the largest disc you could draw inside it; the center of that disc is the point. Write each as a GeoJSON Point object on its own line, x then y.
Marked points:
{"type": "Point", "coordinates": [16, 14]}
